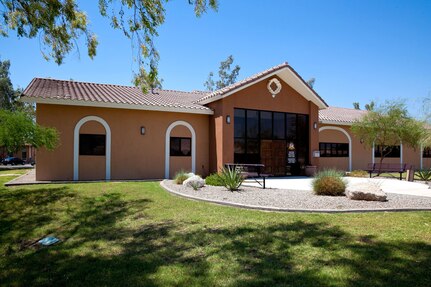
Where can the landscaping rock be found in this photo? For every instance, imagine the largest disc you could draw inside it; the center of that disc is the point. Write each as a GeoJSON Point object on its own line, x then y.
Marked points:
{"type": "Point", "coordinates": [194, 181]}
{"type": "Point", "coordinates": [366, 191]}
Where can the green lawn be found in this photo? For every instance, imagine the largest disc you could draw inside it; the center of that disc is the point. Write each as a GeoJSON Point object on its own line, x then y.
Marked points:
{"type": "Point", "coordinates": [136, 234]}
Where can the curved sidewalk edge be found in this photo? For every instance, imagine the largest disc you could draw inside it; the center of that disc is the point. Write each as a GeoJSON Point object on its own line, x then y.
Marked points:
{"type": "Point", "coordinates": [278, 209]}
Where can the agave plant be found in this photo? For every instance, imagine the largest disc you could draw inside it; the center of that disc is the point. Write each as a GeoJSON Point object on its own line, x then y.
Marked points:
{"type": "Point", "coordinates": [231, 178]}
{"type": "Point", "coordinates": [424, 174]}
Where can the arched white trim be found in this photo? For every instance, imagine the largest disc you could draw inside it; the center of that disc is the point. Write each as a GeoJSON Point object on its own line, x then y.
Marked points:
{"type": "Point", "coordinates": [348, 137]}
{"type": "Point", "coordinates": [76, 146]}
{"type": "Point", "coordinates": [167, 144]}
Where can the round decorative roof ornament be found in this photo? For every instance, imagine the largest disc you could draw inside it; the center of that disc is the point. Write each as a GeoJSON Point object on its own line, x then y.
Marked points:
{"type": "Point", "coordinates": [274, 87]}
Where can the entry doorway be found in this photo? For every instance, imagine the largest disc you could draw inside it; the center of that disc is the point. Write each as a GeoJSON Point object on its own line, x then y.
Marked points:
{"type": "Point", "coordinates": [275, 139]}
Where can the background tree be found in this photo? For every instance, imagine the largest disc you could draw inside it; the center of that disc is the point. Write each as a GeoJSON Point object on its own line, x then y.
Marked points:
{"type": "Point", "coordinates": [311, 82]}
{"type": "Point", "coordinates": [18, 129]}
{"type": "Point", "coordinates": [59, 24]}
{"type": "Point", "coordinates": [388, 126]}
{"type": "Point", "coordinates": [227, 76]}
{"type": "Point", "coordinates": [370, 106]}
{"type": "Point", "coordinates": [9, 97]}
{"type": "Point", "coordinates": [356, 106]}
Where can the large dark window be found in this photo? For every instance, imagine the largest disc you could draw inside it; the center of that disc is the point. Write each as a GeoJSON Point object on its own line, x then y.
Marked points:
{"type": "Point", "coordinates": [181, 146]}
{"type": "Point", "coordinates": [92, 144]}
{"type": "Point", "coordinates": [334, 149]}
{"type": "Point", "coordinates": [387, 151]}
{"type": "Point", "coordinates": [253, 130]}
{"type": "Point", "coordinates": [426, 152]}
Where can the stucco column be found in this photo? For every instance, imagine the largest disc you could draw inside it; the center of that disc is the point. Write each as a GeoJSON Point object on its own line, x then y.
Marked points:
{"type": "Point", "coordinates": [313, 132]}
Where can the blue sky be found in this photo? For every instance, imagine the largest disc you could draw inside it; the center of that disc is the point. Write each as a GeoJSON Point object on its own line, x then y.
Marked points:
{"type": "Point", "coordinates": [358, 51]}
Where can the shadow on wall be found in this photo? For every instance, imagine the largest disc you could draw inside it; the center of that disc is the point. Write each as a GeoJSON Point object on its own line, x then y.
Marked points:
{"type": "Point", "coordinates": [103, 245]}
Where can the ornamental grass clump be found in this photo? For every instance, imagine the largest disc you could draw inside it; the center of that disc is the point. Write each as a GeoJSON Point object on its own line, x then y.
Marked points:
{"type": "Point", "coordinates": [231, 178]}
{"type": "Point", "coordinates": [329, 182]}
{"type": "Point", "coordinates": [181, 176]}
{"type": "Point", "coordinates": [214, 179]}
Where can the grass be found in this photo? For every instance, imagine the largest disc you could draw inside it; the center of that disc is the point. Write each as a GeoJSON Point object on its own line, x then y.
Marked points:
{"type": "Point", "coordinates": [136, 234]}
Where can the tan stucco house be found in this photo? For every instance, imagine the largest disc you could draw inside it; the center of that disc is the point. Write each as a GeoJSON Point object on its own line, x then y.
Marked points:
{"type": "Point", "coordinates": [118, 132]}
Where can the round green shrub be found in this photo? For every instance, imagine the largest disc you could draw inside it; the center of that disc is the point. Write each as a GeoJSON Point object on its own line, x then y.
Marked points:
{"type": "Point", "coordinates": [329, 182]}
{"type": "Point", "coordinates": [214, 179]}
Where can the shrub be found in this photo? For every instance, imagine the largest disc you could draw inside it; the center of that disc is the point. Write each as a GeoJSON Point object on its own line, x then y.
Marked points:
{"type": "Point", "coordinates": [214, 180]}
{"type": "Point", "coordinates": [181, 176]}
{"type": "Point", "coordinates": [359, 173]}
{"type": "Point", "coordinates": [424, 174]}
{"type": "Point", "coordinates": [231, 178]}
{"type": "Point", "coordinates": [329, 182]}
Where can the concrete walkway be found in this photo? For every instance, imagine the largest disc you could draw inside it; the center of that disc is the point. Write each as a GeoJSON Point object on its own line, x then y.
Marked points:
{"type": "Point", "coordinates": [388, 185]}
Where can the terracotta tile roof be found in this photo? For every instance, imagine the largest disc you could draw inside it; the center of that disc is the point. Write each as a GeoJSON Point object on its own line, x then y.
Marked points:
{"type": "Point", "coordinates": [254, 78]}
{"type": "Point", "coordinates": [51, 89]}
{"type": "Point", "coordinates": [340, 115]}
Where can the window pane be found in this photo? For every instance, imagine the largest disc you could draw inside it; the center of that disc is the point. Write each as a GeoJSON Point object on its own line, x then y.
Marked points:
{"type": "Point", "coordinates": [186, 146]}
{"type": "Point", "coordinates": [92, 144]}
{"type": "Point", "coordinates": [252, 124]}
{"type": "Point", "coordinates": [239, 123]}
{"type": "Point", "coordinates": [239, 146]}
{"type": "Point", "coordinates": [279, 124]}
{"type": "Point", "coordinates": [291, 127]}
{"type": "Point", "coordinates": [253, 146]}
{"type": "Point", "coordinates": [266, 125]}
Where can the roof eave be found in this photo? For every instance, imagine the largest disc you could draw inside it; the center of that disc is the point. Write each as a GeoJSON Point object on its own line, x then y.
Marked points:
{"type": "Point", "coordinates": [339, 123]}
{"type": "Point", "coordinates": [67, 102]}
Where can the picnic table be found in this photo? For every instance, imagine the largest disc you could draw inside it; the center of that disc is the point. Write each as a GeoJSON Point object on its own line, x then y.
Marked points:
{"type": "Point", "coordinates": [251, 170]}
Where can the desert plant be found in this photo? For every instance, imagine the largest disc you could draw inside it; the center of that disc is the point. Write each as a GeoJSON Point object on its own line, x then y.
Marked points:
{"type": "Point", "coordinates": [195, 185]}
{"type": "Point", "coordinates": [329, 182]}
{"type": "Point", "coordinates": [181, 176]}
{"type": "Point", "coordinates": [358, 173]}
{"type": "Point", "coordinates": [214, 179]}
{"type": "Point", "coordinates": [424, 174]}
{"type": "Point", "coordinates": [231, 178]}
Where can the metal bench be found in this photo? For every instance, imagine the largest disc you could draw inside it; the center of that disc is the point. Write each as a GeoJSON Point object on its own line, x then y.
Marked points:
{"type": "Point", "coordinates": [386, 167]}
{"type": "Point", "coordinates": [249, 170]}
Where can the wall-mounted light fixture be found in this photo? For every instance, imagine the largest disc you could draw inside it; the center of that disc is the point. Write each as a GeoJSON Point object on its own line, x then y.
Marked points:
{"type": "Point", "coordinates": [315, 125]}
{"type": "Point", "coordinates": [142, 130]}
{"type": "Point", "coordinates": [228, 119]}
{"type": "Point", "coordinates": [361, 141]}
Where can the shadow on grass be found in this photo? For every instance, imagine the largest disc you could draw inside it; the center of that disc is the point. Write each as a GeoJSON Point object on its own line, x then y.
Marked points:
{"type": "Point", "coordinates": [108, 240]}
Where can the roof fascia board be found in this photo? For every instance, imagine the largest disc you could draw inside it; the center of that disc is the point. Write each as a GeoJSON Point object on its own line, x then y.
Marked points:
{"type": "Point", "coordinates": [115, 106]}
{"type": "Point", "coordinates": [312, 96]}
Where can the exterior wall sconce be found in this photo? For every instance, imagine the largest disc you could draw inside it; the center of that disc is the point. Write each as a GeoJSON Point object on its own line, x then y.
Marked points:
{"type": "Point", "coordinates": [228, 119]}
{"type": "Point", "coordinates": [142, 130]}
{"type": "Point", "coordinates": [361, 141]}
{"type": "Point", "coordinates": [315, 125]}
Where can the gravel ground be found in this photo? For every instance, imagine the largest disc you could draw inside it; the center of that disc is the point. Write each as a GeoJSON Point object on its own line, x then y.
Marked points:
{"type": "Point", "coordinates": [298, 199]}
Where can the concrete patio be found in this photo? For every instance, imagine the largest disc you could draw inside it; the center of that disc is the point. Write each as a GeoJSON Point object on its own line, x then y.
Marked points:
{"type": "Point", "coordinates": [388, 185]}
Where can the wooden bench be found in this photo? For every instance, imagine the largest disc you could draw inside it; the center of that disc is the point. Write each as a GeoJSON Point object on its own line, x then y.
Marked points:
{"type": "Point", "coordinates": [387, 167]}
{"type": "Point", "coordinates": [249, 170]}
